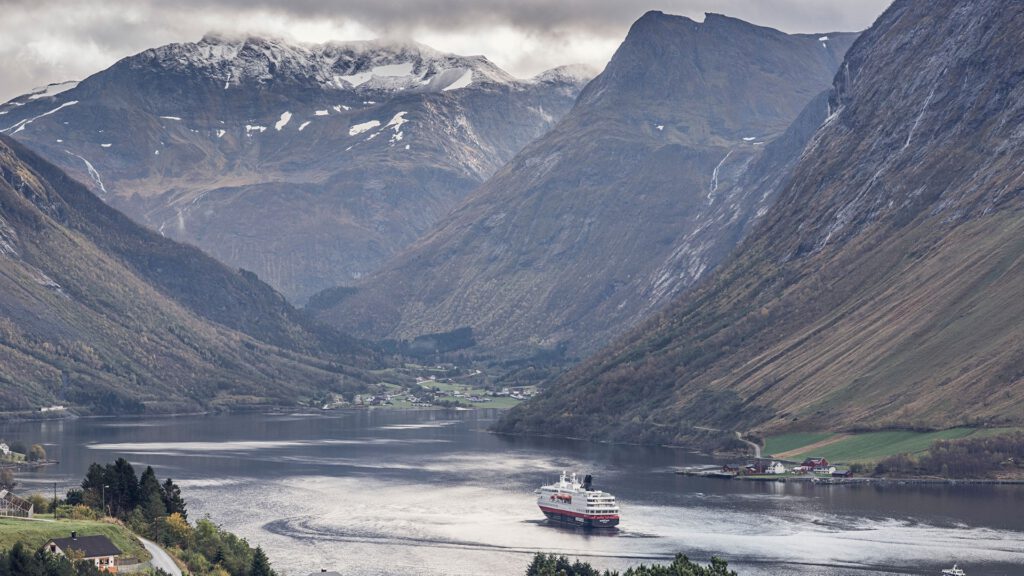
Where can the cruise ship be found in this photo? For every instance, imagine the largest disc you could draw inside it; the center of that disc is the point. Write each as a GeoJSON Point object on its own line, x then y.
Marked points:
{"type": "Point", "coordinates": [577, 503]}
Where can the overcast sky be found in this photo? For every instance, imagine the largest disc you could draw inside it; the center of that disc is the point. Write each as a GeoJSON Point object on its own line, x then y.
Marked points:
{"type": "Point", "coordinates": [46, 41]}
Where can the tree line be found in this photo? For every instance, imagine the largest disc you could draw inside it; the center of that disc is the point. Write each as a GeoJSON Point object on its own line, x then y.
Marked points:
{"type": "Point", "coordinates": [158, 511]}
{"type": "Point", "coordinates": [552, 565]}
{"type": "Point", "coordinates": [963, 458]}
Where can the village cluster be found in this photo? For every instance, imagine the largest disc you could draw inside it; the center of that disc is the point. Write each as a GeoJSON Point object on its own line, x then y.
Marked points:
{"type": "Point", "coordinates": [430, 396]}
{"type": "Point", "coordinates": [811, 468]}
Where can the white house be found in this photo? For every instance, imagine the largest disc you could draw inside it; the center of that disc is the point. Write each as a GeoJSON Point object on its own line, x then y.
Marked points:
{"type": "Point", "coordinates": [775, 468]}
{"type": "Point", "coordinates": [96, 549]}
{"type": "Point", "coordinates": [5, 449]}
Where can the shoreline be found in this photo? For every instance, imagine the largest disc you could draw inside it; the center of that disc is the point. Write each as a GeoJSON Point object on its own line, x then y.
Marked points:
{"type": "Point", "coordinates": [859, 480]}
{"type": "Point", "coordinates": [279, 409]}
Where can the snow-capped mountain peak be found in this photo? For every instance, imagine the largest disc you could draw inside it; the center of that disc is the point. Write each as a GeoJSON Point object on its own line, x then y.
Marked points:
{"type": "Point", "coordinates": [363, 66]}
{"type": "Point", "coordinates": [572, 73]}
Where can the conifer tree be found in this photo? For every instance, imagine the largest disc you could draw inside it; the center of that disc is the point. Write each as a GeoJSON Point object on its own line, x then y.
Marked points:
{"type": "Point", "coordinates": [260, 564]}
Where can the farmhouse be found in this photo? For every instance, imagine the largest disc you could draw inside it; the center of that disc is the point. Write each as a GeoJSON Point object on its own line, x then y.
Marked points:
{"type": "Point", "coordinates": [96, 549]}
{"type": "Point", "coordinates": [815, 463]}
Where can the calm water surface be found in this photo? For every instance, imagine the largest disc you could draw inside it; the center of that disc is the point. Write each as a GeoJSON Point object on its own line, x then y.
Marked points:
{"type": "Point", "coordinates": [432, 493]}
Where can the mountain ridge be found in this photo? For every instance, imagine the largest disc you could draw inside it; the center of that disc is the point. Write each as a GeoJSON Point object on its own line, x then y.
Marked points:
{"type": "Point", "coordinates": [96, 314]}
{"type": "Point", "coordinates": [881, 290]}
{"type": "Point", "coordinates": [637, 192]}
{"type": "Point", "coordinates": [309, 167]}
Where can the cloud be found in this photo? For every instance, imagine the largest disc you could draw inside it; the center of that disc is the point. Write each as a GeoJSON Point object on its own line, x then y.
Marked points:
{"type": "Point", "coordinates": [49, 40]}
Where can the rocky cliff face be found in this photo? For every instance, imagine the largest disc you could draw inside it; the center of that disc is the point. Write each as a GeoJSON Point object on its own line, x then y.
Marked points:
{"type": "Point", "coordinates": [883, 288]}
{"type": "Point", "coordinates": [103, 316]}
{"type": "Point", "coordinates": [307, 165]}
{"type": "Point", "coordinates": [638, 193]}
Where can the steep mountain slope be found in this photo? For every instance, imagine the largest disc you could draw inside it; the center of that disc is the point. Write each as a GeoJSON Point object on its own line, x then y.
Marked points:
{"type": "Point", "coordinates": [307, 165]}
{"type": "Point", "coordinates": [645, 186]}
{"type": "Point", "coordinates": [101, 315]}
{"type": "Point", "coordinates": [883, 289]}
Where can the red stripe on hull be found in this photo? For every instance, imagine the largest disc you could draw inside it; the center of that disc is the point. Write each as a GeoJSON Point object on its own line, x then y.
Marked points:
{"type": "Point", "coordinates": [579, 515]}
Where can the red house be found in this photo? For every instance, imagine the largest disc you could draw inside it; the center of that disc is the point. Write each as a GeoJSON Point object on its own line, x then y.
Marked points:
{"type": "Point", "coordinates": [815, 463]}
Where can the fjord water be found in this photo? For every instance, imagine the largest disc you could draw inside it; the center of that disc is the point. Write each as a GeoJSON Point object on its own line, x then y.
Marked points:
{"type": "Point", "coordinates": [433, 493]}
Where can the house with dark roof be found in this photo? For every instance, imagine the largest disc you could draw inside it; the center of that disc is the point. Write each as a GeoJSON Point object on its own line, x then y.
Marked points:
{"type": "Point", "coordinates": [96, 549]}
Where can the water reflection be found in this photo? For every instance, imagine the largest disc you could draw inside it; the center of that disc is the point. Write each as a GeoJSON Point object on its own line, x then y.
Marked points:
{"type": "Point", "coordinates": [429, 492]}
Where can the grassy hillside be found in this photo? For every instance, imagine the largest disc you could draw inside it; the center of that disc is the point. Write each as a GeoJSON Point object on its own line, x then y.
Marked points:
{"type": "Point", "coordinates": [866, 447]}
{"type": "Point", "coordinates": [788, 442]}
{"type": "Point", "coordinates": [35, 533]}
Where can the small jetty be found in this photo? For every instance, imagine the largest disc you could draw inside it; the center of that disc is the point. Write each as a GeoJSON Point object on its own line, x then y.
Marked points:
{"type": "Point", "coordinates": [23, 465]}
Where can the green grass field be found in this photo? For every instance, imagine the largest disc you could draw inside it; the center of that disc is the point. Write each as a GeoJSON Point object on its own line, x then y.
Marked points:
{"type": "Point", "coordinates": [787, 442]}
{"type": "Point", "coordinates": [497, 402]}
{"type": "Point", "coordinates": [445, 386]}
{"type": "Point", "coordinates": [870, 446]}
{"type": "Point", "coordinates": [35, 533]}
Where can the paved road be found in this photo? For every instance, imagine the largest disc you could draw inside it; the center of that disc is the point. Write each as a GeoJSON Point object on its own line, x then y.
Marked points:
{"type": "Point", "coordinates": [757, 449]}
{"type": "Point", "coordinates": [161, 559]}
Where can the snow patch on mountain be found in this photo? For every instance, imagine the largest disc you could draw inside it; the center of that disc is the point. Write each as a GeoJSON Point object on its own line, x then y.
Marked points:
{"type": "Point", "coordinates": [51, 90]}
{"type": "Point", "coordinates": [286, 117]}
{"type": "Point", "coordinates": [357, 129]}
{"type": "Point", "coordinates": [397, 120]}
{"type": "Point", "coordinates": [465, 80]}
{"type": "Point", "coordinates": [18, 127]}
{"type": "Point", "coordinates": [400, 70]}
{"type": "Point", "coordinates": [396, 124]}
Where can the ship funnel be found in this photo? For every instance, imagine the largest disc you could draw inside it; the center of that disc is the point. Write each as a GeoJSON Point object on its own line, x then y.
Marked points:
{"type": "Point", "coordinates": [588, 480]}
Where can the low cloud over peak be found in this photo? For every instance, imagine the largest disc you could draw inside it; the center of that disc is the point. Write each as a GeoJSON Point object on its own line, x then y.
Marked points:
{"type": "Point", "coordinates": [48, 41]}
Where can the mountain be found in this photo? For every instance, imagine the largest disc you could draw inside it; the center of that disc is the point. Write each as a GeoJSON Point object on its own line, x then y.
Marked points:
{"type": "Point", "coordinates": [309, 165]}
{"type": "Point", "coordinates": [649, 181]}
{"type": "Point", "coordinates": [884, 287]}
{"type": "Point", "coordinates": [103, 316]}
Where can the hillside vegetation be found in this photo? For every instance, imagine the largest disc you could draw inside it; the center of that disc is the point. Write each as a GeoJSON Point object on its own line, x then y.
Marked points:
{"type": "Point", "coordinates": [105, 317]}
{"type": "Point", "coordinates": [881, 291]}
